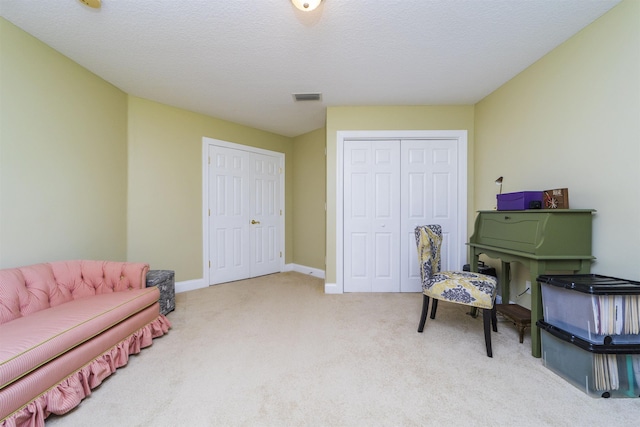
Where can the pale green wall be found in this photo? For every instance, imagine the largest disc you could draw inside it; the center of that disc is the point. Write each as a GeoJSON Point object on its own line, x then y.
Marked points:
{"type": "Point", "coordinates": [386, 118]}
{"type": "Point", "coordinates": [89, 172]}
{"type": "Point", "coordinates": [63, 157]}
{"type": "Point", "coordinates": [165, 183]}
{"type": "Point", "coordinates": [309, 219]}
{"type": "Point", "coordinates": [64, 174]}
{"type": "Point", "coordinates": [573, 120]}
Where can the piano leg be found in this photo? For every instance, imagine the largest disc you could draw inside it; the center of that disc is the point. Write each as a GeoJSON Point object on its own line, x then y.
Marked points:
{"type": "Point", "coordinates": [536, 269]}
{"type": "Point", "coordinates": [504, 281]}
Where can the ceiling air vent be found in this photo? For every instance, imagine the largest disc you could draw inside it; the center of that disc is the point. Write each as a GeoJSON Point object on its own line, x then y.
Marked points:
{"type": "Point", "coordinates": [306, 96]}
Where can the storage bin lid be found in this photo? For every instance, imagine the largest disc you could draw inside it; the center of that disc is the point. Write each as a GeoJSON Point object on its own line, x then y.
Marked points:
{"type": "Point", "coordinates": [586, 345]}
{"type": "Point", "coordinates": [592, 284]}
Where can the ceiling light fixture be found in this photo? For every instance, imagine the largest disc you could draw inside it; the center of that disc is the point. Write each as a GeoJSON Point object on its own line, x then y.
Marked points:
{"type": "Point", "coordinates": [92, 3]}
{"type": "Point", "coordinates": [306, 5]}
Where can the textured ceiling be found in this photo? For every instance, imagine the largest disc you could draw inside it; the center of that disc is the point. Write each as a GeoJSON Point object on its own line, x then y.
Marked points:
{"type": "Point", "coordinates": [241, 60]}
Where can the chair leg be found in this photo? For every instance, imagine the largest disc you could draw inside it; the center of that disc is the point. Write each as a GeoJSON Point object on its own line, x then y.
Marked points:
{"type": "Point", "coordinates": [434, 307]}
{"type": "Point", "coordinates": [486, 317]}
{"type": "Point", "coordinates": [494, 318]}
{"type": "Point", "coordinates": [425, 308]}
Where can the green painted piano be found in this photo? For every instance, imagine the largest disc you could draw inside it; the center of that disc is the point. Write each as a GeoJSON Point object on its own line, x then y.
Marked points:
{"type": "Point", "coordinates": [543, 240]}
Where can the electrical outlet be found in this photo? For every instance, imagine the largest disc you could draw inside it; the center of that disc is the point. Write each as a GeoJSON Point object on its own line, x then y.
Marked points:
{"type": "Point", "coordinates": [527, 284]}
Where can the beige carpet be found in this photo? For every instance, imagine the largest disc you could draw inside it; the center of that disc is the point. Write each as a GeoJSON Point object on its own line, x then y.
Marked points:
{"type": "Point", "coordinates": [277, 351]}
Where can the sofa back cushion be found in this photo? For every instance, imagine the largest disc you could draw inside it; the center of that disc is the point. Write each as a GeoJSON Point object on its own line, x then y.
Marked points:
{"type": "Point", "coordinates": [25, 290]}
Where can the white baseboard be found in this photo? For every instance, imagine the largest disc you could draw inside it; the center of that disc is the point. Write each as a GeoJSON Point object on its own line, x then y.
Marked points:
{"type": "Point", "coordinates": [305, 270]}
{"type": "Point", "coordinates": [190, 285]}
{"type": "Point", "coordinates": [332, 288]}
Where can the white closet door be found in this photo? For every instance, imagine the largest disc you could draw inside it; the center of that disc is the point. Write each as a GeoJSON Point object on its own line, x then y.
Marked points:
{"type": "Point", "coordinates": [265, 215]}
{"type": "Point", "coordinates": [390, 188]}
{"type": "Point", "coordinates": [371, 216]}
{"type": "Point", "coordinates": [228, 217]}
{"type": "Point", "coordinates": [429, 196]}
{"type": "Point", "coordinates": [245, 214]}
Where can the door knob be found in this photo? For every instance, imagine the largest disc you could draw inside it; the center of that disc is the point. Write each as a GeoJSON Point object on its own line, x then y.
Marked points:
{"type": "Point", "coordinates": [253, 221]}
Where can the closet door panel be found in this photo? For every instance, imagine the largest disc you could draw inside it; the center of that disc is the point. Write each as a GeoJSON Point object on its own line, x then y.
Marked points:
{"type": "Point", "coordinates": [371, 216]}
{"type": "Point", "coordinates": [429, 195]}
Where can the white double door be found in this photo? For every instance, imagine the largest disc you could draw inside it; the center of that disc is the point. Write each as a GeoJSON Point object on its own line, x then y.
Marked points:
{"type": "Point", "coordinates": [390, 187]}
{"type": "Point", "coordinates": [245, 213]}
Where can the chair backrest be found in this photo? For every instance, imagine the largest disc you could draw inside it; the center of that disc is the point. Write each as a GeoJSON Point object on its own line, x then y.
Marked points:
{"type": "Point", "coordinates": [429, 241]}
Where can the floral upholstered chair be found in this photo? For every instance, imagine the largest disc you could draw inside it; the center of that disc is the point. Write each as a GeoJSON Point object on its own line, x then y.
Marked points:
{"type": "Point", "coordinates": [460, 287]}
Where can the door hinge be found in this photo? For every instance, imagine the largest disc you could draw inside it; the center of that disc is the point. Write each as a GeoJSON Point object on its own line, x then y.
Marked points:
{"type": "Point", "coordinates": [209, 212]}
{"type": "Point", "coordinates": [209, 160]}
{"type": "Point", "coordinates": [280, 170]}
{"type": "Point", "coordinates": [280, 212]}
{"type": "Point", "coordinates": [209, 264]}
{"type": "Point", "coordinates": [280, 254]}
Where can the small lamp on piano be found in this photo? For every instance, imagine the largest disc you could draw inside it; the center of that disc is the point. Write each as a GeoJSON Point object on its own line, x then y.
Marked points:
{"type": "Point", "coordinates": [499, 182]}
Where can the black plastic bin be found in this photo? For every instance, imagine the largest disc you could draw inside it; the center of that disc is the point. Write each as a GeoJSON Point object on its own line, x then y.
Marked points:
{"type": "Point", "coordinates": [482, 269]}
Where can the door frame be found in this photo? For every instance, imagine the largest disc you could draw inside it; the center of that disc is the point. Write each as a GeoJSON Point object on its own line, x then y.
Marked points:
{"type": "Point", "coordinates": [206, 144]}
{"type": "Point", "coordinates": [458, 137]}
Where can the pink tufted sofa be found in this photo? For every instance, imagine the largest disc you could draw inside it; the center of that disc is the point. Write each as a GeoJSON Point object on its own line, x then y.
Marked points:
{"type": "Point", "coordinates": [66, 326]}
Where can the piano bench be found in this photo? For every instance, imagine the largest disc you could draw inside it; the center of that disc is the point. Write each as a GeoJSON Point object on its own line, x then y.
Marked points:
{"type": "Point", "coordinates": [519, 315]}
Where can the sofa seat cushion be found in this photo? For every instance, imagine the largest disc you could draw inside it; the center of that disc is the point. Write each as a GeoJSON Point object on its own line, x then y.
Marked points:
{"type": "Point", "coordinates": [31, 341]}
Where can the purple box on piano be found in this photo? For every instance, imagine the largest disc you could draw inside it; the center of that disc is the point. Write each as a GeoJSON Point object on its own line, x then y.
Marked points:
{"type": "Point", "coordinates": [518, 201]}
